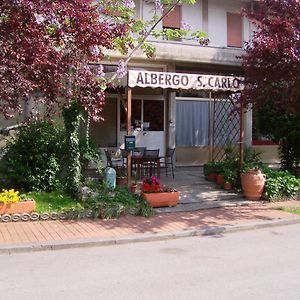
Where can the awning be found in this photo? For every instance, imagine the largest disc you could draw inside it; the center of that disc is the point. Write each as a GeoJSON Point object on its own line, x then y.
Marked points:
{"type": "Point", "coordinates": [167, 80]}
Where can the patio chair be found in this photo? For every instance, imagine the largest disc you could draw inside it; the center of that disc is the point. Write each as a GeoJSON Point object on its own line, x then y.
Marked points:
{"type": "Point", "coordinates": [110, 162]}
{"type": "Point", "coordinates": [124, 154]}
{"type": "Point", "coordinates": [168, 160]}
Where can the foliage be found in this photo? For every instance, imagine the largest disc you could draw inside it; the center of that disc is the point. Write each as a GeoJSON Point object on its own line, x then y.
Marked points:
{"type": "Point", "coordinates": [272, 57]}
{"type": "Point", "coordinates": [55, 201]}
{"type": "Point", "coordinates": [108, 204]}
{"type": "Point", "coordinates": [251, 159]}
{"type": "Point", "coordinates": [209, 168]}
{"type": "Point", "coordinates": [88, 151]}
{"type": "Point", "coordinates": [281, 125]}
{"type": "Point", "coordinates": [72, 121]}
{"type": "Point", "coordinates": [9, 196]}
{"type": "Point", "coordinates": [281, 185]}
{"type": "Point", "coordinates": [46, 44]}
{"type": "Point", "coordinates": [32, 160]}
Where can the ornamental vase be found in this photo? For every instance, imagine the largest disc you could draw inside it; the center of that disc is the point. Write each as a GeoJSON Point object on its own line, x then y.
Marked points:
{"type": "Point", "coordinates": [253, 182]}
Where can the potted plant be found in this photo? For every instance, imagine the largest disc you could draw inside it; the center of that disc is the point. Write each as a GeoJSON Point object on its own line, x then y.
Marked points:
{"type": "Point", "coordinates": [121, 173]}
{"type": "Point", "coordinates": [230, 177]}
{"type": "Point", "coordinates": [209, 170]}
{"type": "Point", "coordinates": [10, 203]}
{"type": "Point", "coordinates": [158, 195]}
{"type": "Point", "coordinates": [220, 173]}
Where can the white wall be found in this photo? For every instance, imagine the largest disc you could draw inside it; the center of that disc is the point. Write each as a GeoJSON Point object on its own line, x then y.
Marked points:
{"type": "Point", "coordinates": [217, 20]}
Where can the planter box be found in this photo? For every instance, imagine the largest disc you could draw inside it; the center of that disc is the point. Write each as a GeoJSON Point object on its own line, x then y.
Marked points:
{"type": "Point", "coordinates": [161, 199]}
{"type": "Point", "coordinates": [17, 207]}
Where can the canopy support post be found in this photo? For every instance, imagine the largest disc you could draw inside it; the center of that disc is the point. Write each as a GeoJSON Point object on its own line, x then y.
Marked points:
{"type": "Point", "coordinates": [129, 112]}
{"type": "Point", "coordinates": [242, 134]}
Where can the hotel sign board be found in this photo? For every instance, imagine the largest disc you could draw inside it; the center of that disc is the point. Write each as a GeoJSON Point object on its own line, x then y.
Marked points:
{"type": "Point", "coordinates": [166, 80]}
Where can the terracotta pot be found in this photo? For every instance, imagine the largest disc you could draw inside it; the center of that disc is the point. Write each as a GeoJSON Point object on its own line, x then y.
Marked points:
{"type": "Point", "coordinates": [220, 179]}
{"type": "Point", "coordinates": [253, 182]}
{"type": "Point", "coordinates": [121, 181]}
{"type": "Point", "coordinates": [211, 176]}
{"type": "Point", "coordinates": [227, 185]}
{"type": "Point", "coordinates": [161, 199]}
{"type": "Point", "coordinates": [17, 207]}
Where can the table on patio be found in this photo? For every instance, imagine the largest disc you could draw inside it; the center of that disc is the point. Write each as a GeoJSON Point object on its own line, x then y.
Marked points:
{"type": "Point", "coordinates": [140, 161]}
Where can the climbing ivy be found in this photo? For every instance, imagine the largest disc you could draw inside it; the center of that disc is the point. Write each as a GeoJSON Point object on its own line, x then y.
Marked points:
{"type": "Point", "coordinates": [71, 115]}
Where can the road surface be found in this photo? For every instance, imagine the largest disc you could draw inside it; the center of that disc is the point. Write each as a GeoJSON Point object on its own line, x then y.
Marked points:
{"type": "Point", "coordinates": [261, 264]}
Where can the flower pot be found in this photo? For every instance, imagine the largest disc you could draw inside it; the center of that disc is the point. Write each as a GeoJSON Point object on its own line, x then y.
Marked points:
{"type": "Point", "coordinates": [17, 207]}
{"type": "Point", "coordinates": [211, 176]}
{"type": "Point", "coordinates": [220, 179]}
{"type": "Point", "coordinates": [161, 199]}
{"type": "Point", "coordinates": [253, 182]}
{"type": "Point", "coordinates": [227, 185]}
{"type": "Point", "coordinates": [121, 181]}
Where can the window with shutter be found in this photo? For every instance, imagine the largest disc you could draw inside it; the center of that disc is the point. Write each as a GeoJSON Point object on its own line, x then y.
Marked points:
{"type": "Point", "coordinates": [234, 30]}
{"type": "Point", "coordinates": [173, 19]}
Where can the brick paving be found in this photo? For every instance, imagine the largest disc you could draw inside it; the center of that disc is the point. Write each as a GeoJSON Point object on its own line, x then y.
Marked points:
{"type": "Point", "coordinates": [47, 231]}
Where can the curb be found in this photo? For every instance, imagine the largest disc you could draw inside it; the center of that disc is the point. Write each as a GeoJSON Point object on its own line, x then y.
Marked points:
{"type": "Point", "coordinates": [147, 237]}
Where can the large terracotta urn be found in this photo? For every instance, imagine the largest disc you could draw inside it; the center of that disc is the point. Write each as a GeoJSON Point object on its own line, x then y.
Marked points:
{"type": "Point", "coordinates": [253, 182]}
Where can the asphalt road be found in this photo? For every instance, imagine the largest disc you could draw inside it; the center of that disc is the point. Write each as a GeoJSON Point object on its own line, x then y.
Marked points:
{"type": "Point", "coordinates": [262, 264]}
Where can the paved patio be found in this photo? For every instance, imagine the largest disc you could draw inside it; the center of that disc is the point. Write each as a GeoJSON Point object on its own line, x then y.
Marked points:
{"type": "Point", "coordinates": [198, 193]}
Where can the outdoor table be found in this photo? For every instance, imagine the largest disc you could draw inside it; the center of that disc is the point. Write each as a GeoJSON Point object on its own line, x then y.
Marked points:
{"type": "Point", "coordinates": [139, 160]}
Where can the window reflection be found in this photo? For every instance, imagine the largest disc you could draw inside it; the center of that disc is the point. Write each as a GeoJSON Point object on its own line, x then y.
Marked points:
{"type": "Point", "coordinates": [152, 119]}
{"type": "Point", "coordinates": [153, 115]}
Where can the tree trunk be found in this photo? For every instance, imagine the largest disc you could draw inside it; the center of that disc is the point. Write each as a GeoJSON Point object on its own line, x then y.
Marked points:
{"type": "Point", "coordinates": [71, 117]}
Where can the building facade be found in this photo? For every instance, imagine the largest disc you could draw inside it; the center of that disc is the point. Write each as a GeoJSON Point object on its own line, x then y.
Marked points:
{"type": "Point", "coordinates": [181, 119]}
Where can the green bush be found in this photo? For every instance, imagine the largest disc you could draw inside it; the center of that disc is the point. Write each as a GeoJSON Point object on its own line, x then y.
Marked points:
{"type": "Point", "coordinates": [32, 160]}
{"type": "Point", "coordinates": [281, 185]}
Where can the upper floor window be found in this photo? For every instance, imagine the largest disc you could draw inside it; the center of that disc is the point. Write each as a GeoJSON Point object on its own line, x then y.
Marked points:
{"type": "Point", "coordinates": [173, 19]}
{"type": "Point", "coordinates": [234, 30]}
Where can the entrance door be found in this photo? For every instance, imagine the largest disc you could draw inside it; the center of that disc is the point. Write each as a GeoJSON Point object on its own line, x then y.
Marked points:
{"type": "Point", "coordinates": [147, 124]}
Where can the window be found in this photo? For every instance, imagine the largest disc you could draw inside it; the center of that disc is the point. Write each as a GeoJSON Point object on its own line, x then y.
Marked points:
{"type": "Point", "coordinates": [173, 19]}
{"type": "Point", "coordinates": [147, 115]}
{"type": "Point", "coordinates": [192, 123]}
{"type": "Point", "coordinates": [234, 30]}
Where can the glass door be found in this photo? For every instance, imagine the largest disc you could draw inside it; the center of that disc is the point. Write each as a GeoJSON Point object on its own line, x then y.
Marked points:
{"type": "Point", "coordinates": [147, 124]}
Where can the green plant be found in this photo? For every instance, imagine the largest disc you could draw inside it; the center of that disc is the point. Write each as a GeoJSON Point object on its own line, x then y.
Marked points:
{"type": "Point", "coordinates": [71, 117]}
{"type": "Point", "coordinates": [55, 201]}
{"type": "Point", "coordinates": [88, 151]}
{"type": "Point", "coordinates": [110, 204]}
{"type": "Point", "coordinates": [230, 175]}
{"type": "Point", "coordinates": [281, 185]}
{"type": "Point", "coordinates": [33, 159]}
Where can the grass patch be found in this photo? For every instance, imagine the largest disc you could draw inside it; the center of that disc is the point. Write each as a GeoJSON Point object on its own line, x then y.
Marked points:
{"type": "Point", "coordinates": [293, 210]}
{"type": "Point", "coordinates": [50, 202]}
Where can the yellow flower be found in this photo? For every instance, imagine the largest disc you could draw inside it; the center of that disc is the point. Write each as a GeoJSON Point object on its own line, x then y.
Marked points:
{"type": "Point", "coordinates": [9, 196]}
